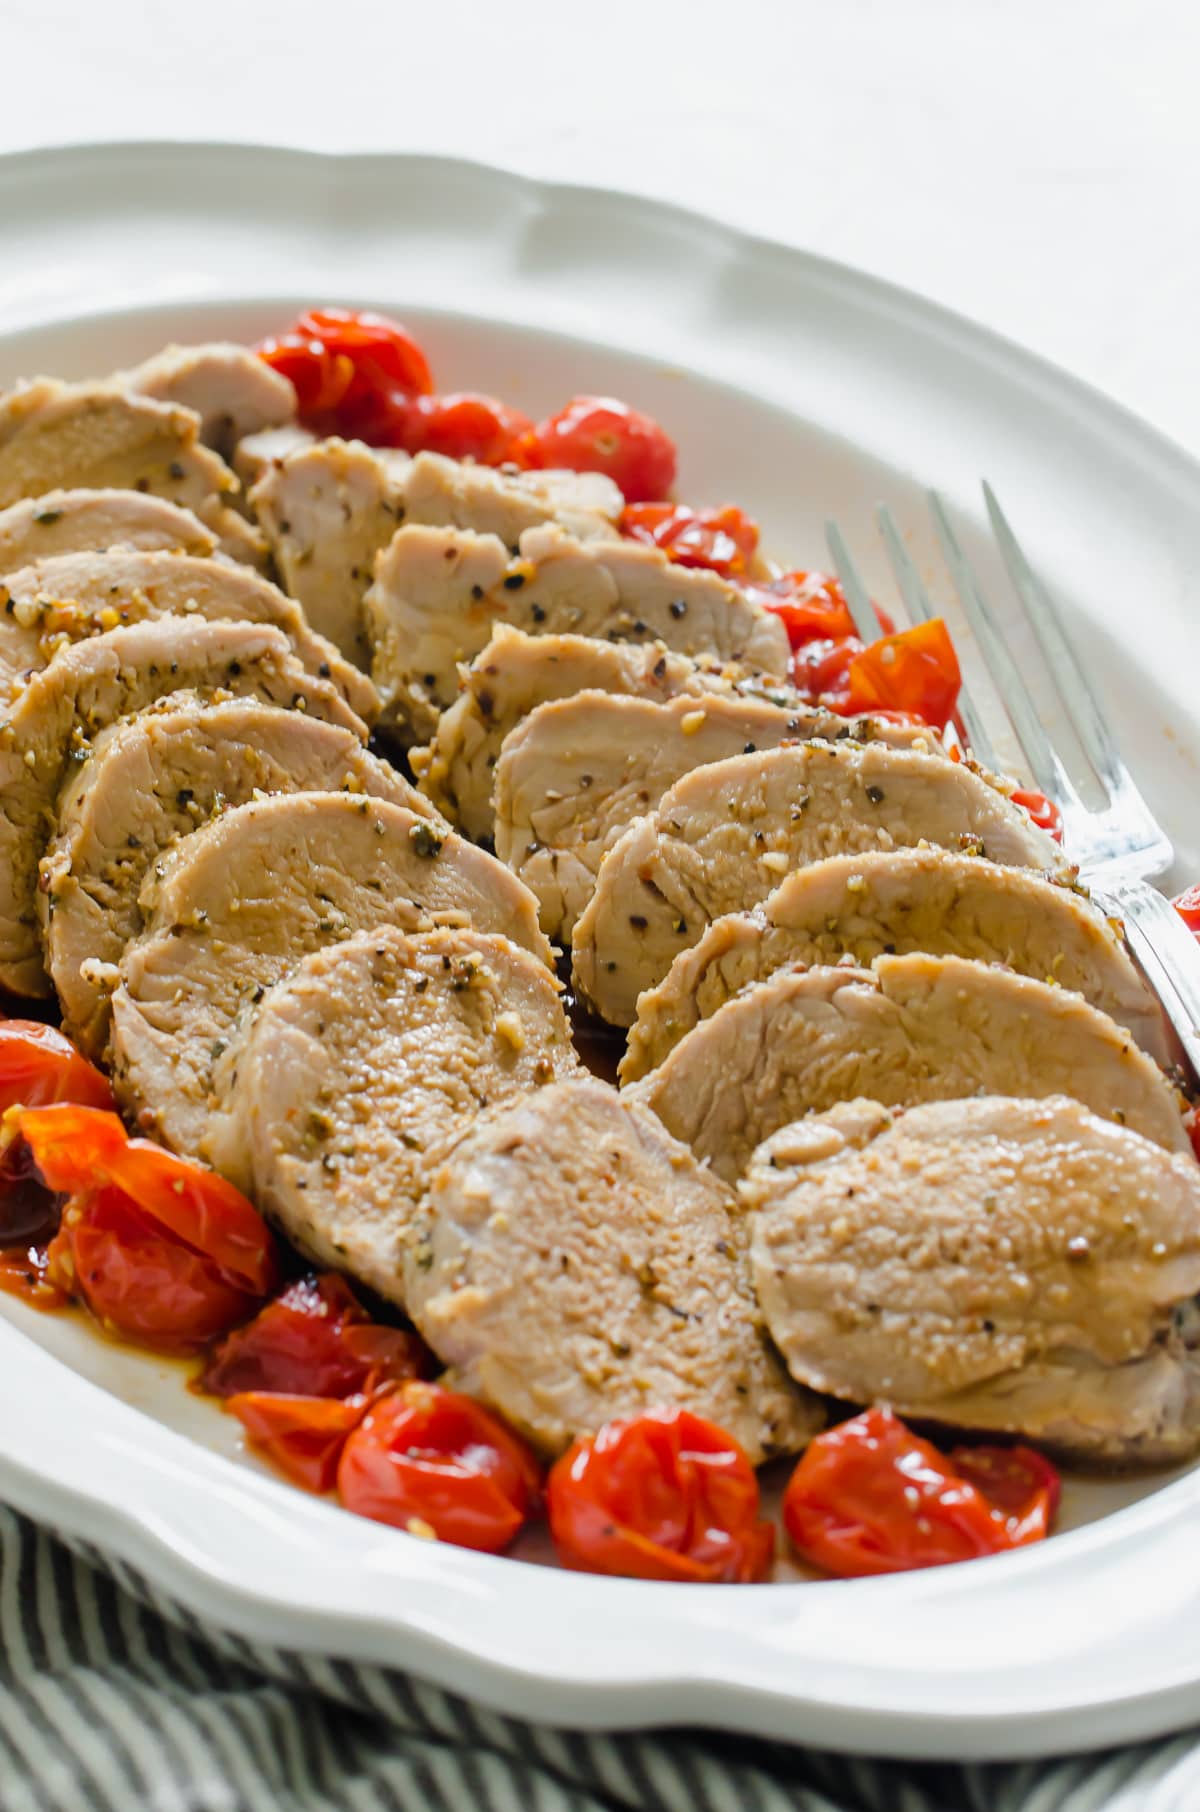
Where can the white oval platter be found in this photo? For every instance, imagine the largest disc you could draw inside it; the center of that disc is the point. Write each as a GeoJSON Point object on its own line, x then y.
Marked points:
{"type": "Point", "coordinates": [802, 390]}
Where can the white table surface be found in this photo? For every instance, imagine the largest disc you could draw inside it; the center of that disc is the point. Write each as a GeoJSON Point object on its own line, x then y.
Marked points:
{"type": "Point", "coordinates": [1030, 162]}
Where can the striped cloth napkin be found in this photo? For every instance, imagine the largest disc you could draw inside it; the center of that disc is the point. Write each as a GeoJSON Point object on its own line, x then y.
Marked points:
{"type": "Point", "coordinates": [114, 1700]}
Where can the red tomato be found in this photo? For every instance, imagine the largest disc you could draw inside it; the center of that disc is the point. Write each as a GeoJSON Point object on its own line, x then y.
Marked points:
{"type": "Point", "coordinates": [871, 1497]}
{"type": "Point", "coordinates": [599, 434]}
{"type": "Point", "coordinates": [303, 1436]}
{"type": "Point", "coordinates": [1019, 1482]}
{"type": "Point", "coordinates": [37, 1066]}
{"type": "Point", "coordinates": [812, 606]}
{"type": "Point", "coordinates": [161, 1249]}
{"type": "Point", "coordinates": [724, 540]}
{"type": "Point", "coordinates": [663, 1495]}
{"type": "Point", "coordinates": [1187, 905]}
{"type": "Point", "coordinates": [465, 426]}
{"type": "Point", "coordinates": [821, 671]}
{"type": "Point", "coordinates": [315, 1340]}
{"type": "Point", "coordinates": [915, 671]}
{"type": "Point", "coordinates": [1043, 811]}
{"type": "Point", "coordinates": [353, 371]}
{"type": "Point", "coordinates": [426, 1459]}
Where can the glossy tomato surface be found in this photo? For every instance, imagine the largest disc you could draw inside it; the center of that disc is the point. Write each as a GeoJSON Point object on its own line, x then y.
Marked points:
{"type": "Point", "coordinates": [665, 1495]}
{"type": "Point", "coordinates": [436, 1463]}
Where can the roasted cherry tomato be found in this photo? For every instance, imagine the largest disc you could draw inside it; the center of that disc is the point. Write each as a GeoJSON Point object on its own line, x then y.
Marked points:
{"type": "Point", "coordinates": [1187, 905]}
{"type": "Point", "coordinates": [821, 671]}
{"type": "Point", "coordinates": [161, 1249]}
{"type": "Point", "coordinates": [303, 1436]}
{"type": "Point", "coordinates": [465, 426]}
{"type": "Point", "coordinates": [812, 607]}
{"type": "Point", "coordinates": [1043, 811]}
{"type": "Point", "coordinates": [37, 1066]}
{"type": "Point", "coordinates": [314, 1340]}
{"type": "Point", "coordinates": [663, 1495]}
{"type": "Point", "coordinates": [869, 1496]}
{"type": "Point", "coordinates": [433, 1462]}
{"type": "Point", "coordinates": [915, 671]}
{"type": "Point", "coordinates": [1018, 1482]}
{"type": "Point", "coordinates": [353, 371]}
{"type": "Point", "coordinates": [725, 540]}
{"type": "Point", "coordinates": [599, 434]}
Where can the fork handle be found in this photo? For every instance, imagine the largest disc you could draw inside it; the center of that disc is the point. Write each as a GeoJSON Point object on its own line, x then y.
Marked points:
{"type": "Point", "coordinates": [1168, 952]}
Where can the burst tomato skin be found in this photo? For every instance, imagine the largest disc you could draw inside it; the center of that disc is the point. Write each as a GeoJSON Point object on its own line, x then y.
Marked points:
{"type": "Point", "coordinates": [915, 671]}
{"type": "Point", "coordinates": [665, 1495]}
{"type": "Point", "coordinates": [1187, 905]}
{"type": "Point", "coordinates": [315, 1340]}
{"type": "Point", "coordinates": [161, 1249]}
{"type": "Point", "coordinates": [724, 541]}
{"type": "Point", "coordinates": [600, 434]}
{"type": "Point", "coordinates": [352, 371]}
{"type": "Point", "coordinates": [303, 1436]}
{"type": "Point", "coordinates": [465, 425]}
{"type": "Point", "coordinates": [1043, 811]}
{"type": "Point", "coordinates": [811, 605]}
{"type": "Point", "coordinates": [871, 1497]}
{"type": "Point", "coordinates": [1019, 1482]}
{"type": "Point", "coordinates": [39, 1066]}
{"type": "Point", "coordinates": [428, 1459]}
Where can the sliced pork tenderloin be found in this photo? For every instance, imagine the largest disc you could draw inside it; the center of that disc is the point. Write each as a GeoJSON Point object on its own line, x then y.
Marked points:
{"type": "Point", "coordinates": [56, 436]}
{"type": "Point", "coordinates": [230, 388]}
{"type": "Point", "coordinates": [724, 836]}
{"type": "Point", "coordinates": [909, 1029]}
{"type": "Point", "coordinates": [438, 594]}
{"type": "Point", "coordinates": [508, 679]}
{"type": "Point", "coordinates": [234, 907]}
{"type": "Point", "coordinates": [329, 508]}
{"type": "Point", "coordinates": [900, 901]}
{"type": "Point", "coordinates": [73, 522]}
{"type": "Point", "coordinates": [150, 779]}
{"type": "Point", "coordinates": [91, 684]}
{"type": "Point", "coordinates": [573, 1264]}
{"type": "Point", "coordinates": [75, 595]}
{"type": "Point", "coordinates": [575, 773]}
{"type": "Point", "coordinates": [257, 453]}
{"type": "Point", "coordinates": [366, 1058]}
{"type": "Point", "coordinates": [1015, 1265]}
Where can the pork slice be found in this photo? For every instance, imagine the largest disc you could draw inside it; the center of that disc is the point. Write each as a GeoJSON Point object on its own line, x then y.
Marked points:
{"type": "Point", "coordinates": [326, 510]}
{"type": "Point", "coordinates": [329, 508]}
{"type": "Point", "coordinates": [87, 686]}
{"type": "Point", "coordinates": [56, 436]}
{"type": "Point", "coordinates": [234, 907]}
{"type": "Point", "coordinates": [574, 1264]}
{"type": "Point", "coordinates": [724, 836]}
{"type": "Point", "coordinates": [255, 454]}
{"type": "Point", "coordinates": [230, 388]}
{"type": "Point", "coordinates": [899, 901]}
{"type": "Point", "coordinates": [1016, 1265]}
{"type": "Point", "coordinates": [150, 779]}
{"type": "Point", "coordinates": [75, 595]}
{"type": "Point", "coordinates": [575, 773]}
{"type": "Point", "coordinates": [439, 592]}
{"type": "Point", "coordinates": [72, 522]}
{"type": "Point", "coordinates": [508, 679]}
{"type": "Point", "coordinates": [909, 1029]}
{"type": "Point", "coordinates": [362, 1061]}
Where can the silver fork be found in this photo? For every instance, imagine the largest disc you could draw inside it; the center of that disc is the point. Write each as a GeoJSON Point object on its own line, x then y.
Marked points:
{"type": "Point", "coordinates": [1120, 847]}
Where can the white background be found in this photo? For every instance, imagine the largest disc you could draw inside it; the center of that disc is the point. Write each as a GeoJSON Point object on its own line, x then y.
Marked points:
{"type": "Point", "coordinates": [1032, 164]}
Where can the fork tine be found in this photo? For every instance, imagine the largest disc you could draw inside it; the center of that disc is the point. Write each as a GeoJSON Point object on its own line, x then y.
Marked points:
{"type": "Point", "coordinates": [861, 608]}
{"type": "Point", "coordinates": [921, 610]}
{"type": "Point", "coordinates": [1072, 682]}
{"type": "Point", "coordinates": [1047, 770]}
